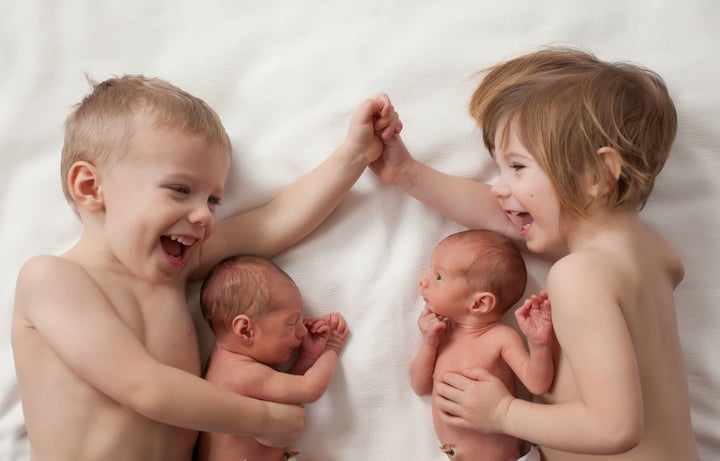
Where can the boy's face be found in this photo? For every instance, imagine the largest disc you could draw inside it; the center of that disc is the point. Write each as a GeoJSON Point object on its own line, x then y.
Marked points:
{"type": "Point", "coordinates": [280, 331]}
{"type": "Point", "coordinates": [160, 201]}
{"type": "Point", "coordinates": [526, 194]}
{"type": "Point", "coordinates": [444, 287]}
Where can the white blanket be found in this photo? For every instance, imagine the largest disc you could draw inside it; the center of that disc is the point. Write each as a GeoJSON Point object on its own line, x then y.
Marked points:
{"type": "Point", "coordinates": [285, 76]}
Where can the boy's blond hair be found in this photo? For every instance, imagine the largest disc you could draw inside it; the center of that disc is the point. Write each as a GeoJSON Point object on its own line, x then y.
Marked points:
{"type": "Point", "coordinates": [238, 285]}
{"type": "Point", "coordinates": [568, 105]}
{"type": "Point", "coordinates": [491, 262]}
{"type": "Point", "coordinates": [99, 129]}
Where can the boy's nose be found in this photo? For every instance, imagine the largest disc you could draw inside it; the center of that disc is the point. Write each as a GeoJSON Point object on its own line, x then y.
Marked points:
{"type": "Point", "coordinates": [202, 215]}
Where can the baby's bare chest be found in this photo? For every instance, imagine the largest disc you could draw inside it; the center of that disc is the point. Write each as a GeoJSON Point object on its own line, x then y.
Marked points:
{"type": "Point", "coordinates": [457, 355]}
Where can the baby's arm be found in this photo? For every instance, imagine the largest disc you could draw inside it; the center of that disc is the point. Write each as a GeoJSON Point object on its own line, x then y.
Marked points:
{"type": "Point", "coordinates": [422, 367]}
{"type": "Point", "coordinates": [302, 206]}
{"type": "Point", "coordinates": [76, 320]}
{"type": "Point", "coordinates": [310, 386]}
{"type": "Point", "coordinates": [535, 321]}
{"type": "Point", "coordinates": [465, 201]}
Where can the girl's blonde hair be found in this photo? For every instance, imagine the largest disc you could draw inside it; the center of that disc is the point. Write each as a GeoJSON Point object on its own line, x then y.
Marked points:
{"type": "Point", "coordinates": [567, 105]}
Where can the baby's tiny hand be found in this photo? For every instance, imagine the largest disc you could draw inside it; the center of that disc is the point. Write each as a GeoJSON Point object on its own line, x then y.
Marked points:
{"type": "Point", "coordinates": [432, 327]}
{"type": "Point", "coordinates": [534, 318]}
{"type": "Point", "coordinates": [338, 331]}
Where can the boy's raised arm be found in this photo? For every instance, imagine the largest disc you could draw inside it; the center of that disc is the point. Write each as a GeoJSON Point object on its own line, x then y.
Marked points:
{"type": "Point", "coordinates": [302, 206]}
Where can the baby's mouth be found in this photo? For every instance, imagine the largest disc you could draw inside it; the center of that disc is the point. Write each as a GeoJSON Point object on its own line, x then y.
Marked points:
{"type": "Point", "coordinates": [176, 245]}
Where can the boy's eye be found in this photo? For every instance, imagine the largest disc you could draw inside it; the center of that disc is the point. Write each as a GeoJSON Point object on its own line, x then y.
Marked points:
{"type": "Point", "coordinates": [179, 188]}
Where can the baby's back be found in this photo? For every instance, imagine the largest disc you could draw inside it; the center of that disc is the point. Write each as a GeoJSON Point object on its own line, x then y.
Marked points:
{"type": "Point", "coordinates": [227, 371]}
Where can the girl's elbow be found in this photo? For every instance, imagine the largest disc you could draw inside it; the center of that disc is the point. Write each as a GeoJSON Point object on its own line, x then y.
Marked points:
{"type": "Point", "coordinates": [622, 436]}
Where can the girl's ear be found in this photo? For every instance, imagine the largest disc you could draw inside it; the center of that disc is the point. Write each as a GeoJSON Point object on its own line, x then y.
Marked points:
{"type": "Point", "coordinates": [243, 328]}
{"type": "Point", "coordinates": [84, 187]}
{"type": "Point", "coordinates": [613, 162]}
{"type": "Point", "coordinates": [483, 302]}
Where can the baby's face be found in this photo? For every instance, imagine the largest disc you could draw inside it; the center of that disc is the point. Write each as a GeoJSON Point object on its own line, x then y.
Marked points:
{"type": "Point", "coordinates": [444, 287]}
{"type": "Point", "coordinates": [160, 201]}
{"type": "Point", "coordinates": [281, 330]}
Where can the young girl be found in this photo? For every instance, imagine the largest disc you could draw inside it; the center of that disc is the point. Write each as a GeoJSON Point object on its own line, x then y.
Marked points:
{"type": "Point", "coordinates": [578, 143]}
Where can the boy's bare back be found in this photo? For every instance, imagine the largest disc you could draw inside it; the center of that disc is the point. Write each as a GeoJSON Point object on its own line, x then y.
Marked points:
{"type": "Point", "coordinates": [639, 270]}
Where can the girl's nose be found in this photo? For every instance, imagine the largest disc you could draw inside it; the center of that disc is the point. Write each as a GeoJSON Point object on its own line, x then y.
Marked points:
{"type": "Point", "coordinates": [499, 188]}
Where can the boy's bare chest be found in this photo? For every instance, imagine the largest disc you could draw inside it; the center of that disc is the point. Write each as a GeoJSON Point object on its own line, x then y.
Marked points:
{"type": "Point", "coordinates": [159, 318]}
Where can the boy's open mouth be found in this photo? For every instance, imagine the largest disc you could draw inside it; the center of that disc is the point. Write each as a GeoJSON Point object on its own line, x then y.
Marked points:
{"type": "Point", "coordinates": [175, 245]}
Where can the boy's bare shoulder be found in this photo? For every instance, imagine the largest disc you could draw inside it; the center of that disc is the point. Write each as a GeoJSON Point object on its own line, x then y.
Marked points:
{"type": "Point", "coordinates": [44, 275]}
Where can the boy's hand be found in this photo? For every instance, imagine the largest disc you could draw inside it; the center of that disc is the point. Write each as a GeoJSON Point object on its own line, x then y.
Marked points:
{"type": "Point", "coordinates": [534, 318]}
{"type": "Point", "coordinates": [432, 327]}
{"type": "Point", "coordinates": [284, 424]}
{"type": "Point", "coordinates": [373, 123]}
{"type": "Point", "coordinates": [338, 332]}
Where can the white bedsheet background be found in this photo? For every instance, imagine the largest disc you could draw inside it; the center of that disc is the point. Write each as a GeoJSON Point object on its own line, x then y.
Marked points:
{"type": "Point", "coordinates": [285, 77]}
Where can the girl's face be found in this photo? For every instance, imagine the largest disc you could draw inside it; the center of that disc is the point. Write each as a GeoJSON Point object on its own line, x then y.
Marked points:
{"type": "Point", "coordinates": [526, 194]}
{"type": "Point", "coordinates": [160, 200]}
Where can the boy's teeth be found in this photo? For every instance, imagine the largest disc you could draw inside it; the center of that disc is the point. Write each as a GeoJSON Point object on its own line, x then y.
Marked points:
{"type": "Point", "coordinates": [185, 241]}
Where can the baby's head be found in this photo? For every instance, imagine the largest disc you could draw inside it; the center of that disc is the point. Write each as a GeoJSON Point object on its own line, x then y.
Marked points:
{"type": "Point", "coordinates": [101, 127]}
{"type": "Point", "coordinates": [489, 262]}
{"type": "Point", "coordinates": [567, 105]}
{"type": "Point", "coordinates": [244, 285]}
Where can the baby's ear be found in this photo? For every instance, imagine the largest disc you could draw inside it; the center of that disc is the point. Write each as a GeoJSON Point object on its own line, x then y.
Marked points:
{"type": "Point", "coordinates": [483, 302]}
{"type": "Point", "coordinates": [613, 162]}
{"type": "Point", "coordinates": [84, 187]}
{"type": "Point", "coordinates": [243, 328]}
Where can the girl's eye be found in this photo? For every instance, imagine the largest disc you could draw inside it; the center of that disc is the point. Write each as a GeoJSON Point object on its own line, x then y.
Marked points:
{"type": "Point", "coordinates": [517, 166]}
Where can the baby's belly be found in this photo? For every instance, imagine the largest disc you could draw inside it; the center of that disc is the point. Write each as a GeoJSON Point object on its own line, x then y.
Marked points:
{"type": "Point", "coordinates": [473, 446]}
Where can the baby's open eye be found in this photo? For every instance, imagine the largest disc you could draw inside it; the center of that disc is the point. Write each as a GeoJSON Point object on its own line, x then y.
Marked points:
{"type": "Point", "coordinates": [438, 277]}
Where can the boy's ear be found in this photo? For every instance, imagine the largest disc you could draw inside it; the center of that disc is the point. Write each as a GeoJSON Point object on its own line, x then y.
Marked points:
{"type": "Point", "coordinates": [483, 302]}
{"type": "Point", "coordinates": [613, 162]}
{"type": "Point", "coordinates": [84, 186]}
{"type": "Point", "coordinates": [243, 328]}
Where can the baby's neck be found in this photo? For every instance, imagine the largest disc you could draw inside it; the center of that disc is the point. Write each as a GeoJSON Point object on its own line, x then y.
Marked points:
{"type": "Point", "coordinates": [473, 326]}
